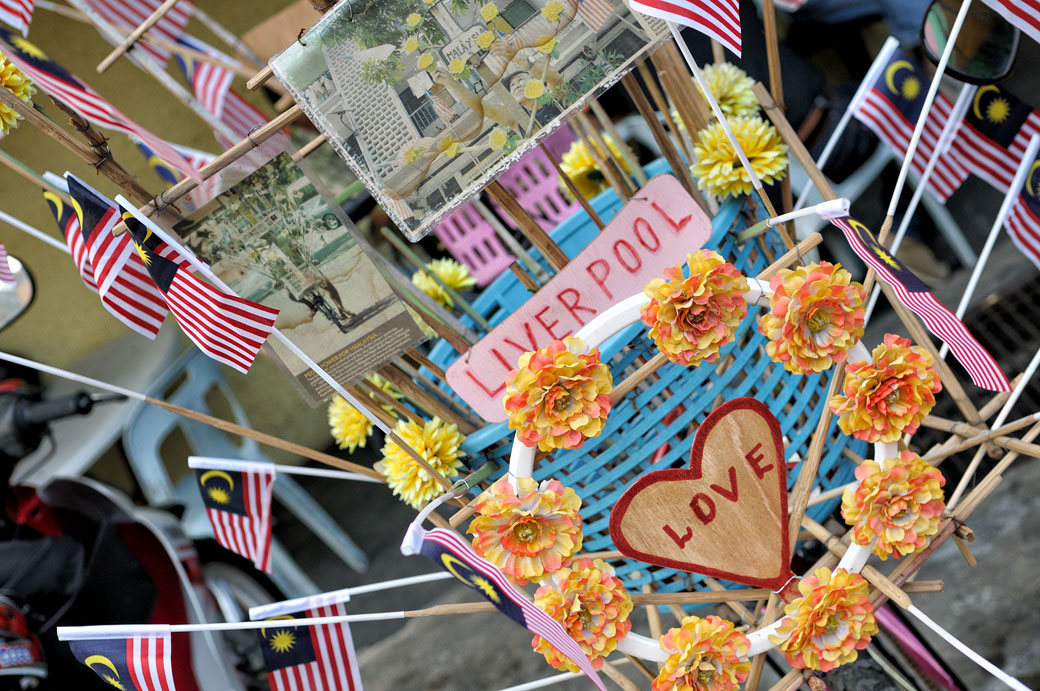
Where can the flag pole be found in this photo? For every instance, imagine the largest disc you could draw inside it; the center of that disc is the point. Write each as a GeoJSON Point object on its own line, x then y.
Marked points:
{"type": "Point", "coordinates": [960, 107]}
{"type": "Point", "coordinates": [35, 232]}
{"type": "Point", "coordinates": [202, 268]}
{"type": "Point", "coordinates": [1019, 180]}
{"type": "Point", "coordinates": [225, 463]}
{"type": "Point", "coordinates": [933, 89]}
{"type": "Point", "coordinates": [717, 110]}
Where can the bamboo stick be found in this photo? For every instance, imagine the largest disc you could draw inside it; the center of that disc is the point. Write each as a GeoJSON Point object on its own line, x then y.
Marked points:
{"type": "Point", "coordinates": [509, 241]}
{"type": "Point", "coordinates": [619, 678]}
{"type": "Point", "coordinates": [259, 78]}
{"type": "Point", "coordinates": [631, 381]}
{"type": "Point", "coordinates": [383, 398]}
{"type": "Point", "coordinates": [425, 384]}
{"type": "Point", "coordinates": [677, 86]}
{"type": "Point", "coordinates": [626, 151]}
{"type": "Point", "coordinates": [528, 226]}
{"type": "Point", "coordinates": [129, 41]}
{"type": "Point", "coordinates": [309, 148]}
{"type": "Point", "coordinates": [665, 111]}
{"type": "Point", "coordinates": [776, 85]}
{"type": "Point", "coordinates": [386, 418]}
{"type": "Point", "coordinates": [527, 279]}
{"type": "Point", "coordinates": [426, 362]}
{"type": "Point", "coordinates": [602, 155]}
{"type": "Point", "coordinates": [573, 189]}
{"type": "Point", "coordinates": [424, 399]}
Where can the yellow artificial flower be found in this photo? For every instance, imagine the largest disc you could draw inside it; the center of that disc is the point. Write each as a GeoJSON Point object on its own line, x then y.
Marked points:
{"type": "Point", "coordinates": [489, 11]}
{"type": "Point", "coordinates": [425, 61]}
{"type": "Point", "coordinates": [581, 168]}
{"type": "Point", "coordinates": [719, 171]}
{"type": "Point", "coordinates": [485, 40]}
{"type": "Point", "coordinates": [732, 88]}
{"type": "Point", "coordinates": [534, 88]}
{"type": "Point", "coordinates": [454, 274]}
{"type": "Point", "coordinates": [456, 66]}
{"type": "Point", "coordinates": [498, 139]}
{"type": "Point", "coordinates": [12, 79]}
{"type": "Point", "coordinates": [552, 10]}
{"type": "Point", "coordinates": [437, 443]}
{"type": "Point", "coordinates": [706, 654]}
{"type": "Point", "coordinates": [413, 20]}
{"type": "Point", "coordinates": [411, 44]}
{"type": "Point", "coordinates": [546, 44]}
{"type": "Point", "coordinates": [350, 428]}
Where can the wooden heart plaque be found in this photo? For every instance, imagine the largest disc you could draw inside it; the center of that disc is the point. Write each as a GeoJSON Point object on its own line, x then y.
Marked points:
{"type": "Point", "coordinates": [725, 515]}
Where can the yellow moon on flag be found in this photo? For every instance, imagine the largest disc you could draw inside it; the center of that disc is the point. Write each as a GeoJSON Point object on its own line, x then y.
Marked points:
{"type": "Point", "coordinates": [890, 74]}
{"type": "Point", "coordinates": [978, 99]}
{"type": "Point", "coordinates": [59, 204]}
{"type": "Point", "coordinates": [77, 209]}
{"type": "Point", "coordinates": [263, 632]}
{"type": "Point", "coordinates": [101, 660]}
{"type": "Point", "coordinates": [218, 473]}
{"type": "Point", "coordinates": [449, 563]}
{"type": "Point", "coordinates": [1029, 179]}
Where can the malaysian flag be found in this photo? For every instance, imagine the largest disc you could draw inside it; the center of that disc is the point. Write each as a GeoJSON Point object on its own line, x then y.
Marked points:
{"type": "Point", "coordinates": [171, 176]}
{"type": "Point", "coordinates": [455, 555]}
{"type": "Point", "coordinates": [890, 108]}
{"type": "Point", "coordinates": [595, 13]}
{"type": "Point", "coordinates": [6, 275]}
{"type": "Point", "coordinates": [68, 223]}
{"type": "Point", "coordinates": [983, 370]}
{"type": "Point", "coordinates": [237, 497]}
{"type": "Point", "coordinates": [310, 658]}
{"type": "Point", "coordinates": [1023, 221]}
{"type": "Point", "coordinates": [127, 15]}
{"type": "Point", "coordinates": [17, 14]}
{"type": "Point", "coordinates": [1025, 14]}
{"type": "Point", "coordinates": [995, 133]}
{"type": "Point", "coordinates": [717, 19]}
{"type": "Point", "coordinates": [140, 662]}
{"type": "Point", "coordinates": [227, 328]}
{"type": "Point", "coordinates": [55, 80]}
{"type": "Point", "coordinates": [118, 273]}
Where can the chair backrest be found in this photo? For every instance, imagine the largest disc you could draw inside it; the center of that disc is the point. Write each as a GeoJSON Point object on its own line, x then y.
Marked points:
{"type": "Point", "coordinates": [472, 240]}
{"type": "Point", "coordinates": [533, 182]}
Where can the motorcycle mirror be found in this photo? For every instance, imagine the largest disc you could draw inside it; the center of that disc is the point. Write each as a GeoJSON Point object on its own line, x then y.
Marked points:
{"type": "Point", "coordinates": [16, 297]}
{"type": "Point", "coordinates": [986, 45]}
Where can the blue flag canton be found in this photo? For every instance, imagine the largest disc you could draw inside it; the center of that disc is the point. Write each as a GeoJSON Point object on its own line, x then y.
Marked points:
{"type": "Point", "coordinates": [286, 646]}
{"type": "Point", "coordinates": [222, 490]}
{"type": "Point", "coordinates": [474, 575]}
{"type": "Point", "coordinates": [161, 269]}
{"type": "Point", "coordinates": [1030, 193]}
{"type": "Point", "coordinates": [904, 85]}
{"type": "Point", "coordinates": [164, 170]}
{"type": "Point", "coordinates": [897, 268]}
{"type": "Point", "coordinates": [90, 209]}
{"type": "Point", "coordinates": [63, 213]}
{"type": "Point", "coordinates": [107, 658]}
{"type": "Point", "coordinates": [28, 52]}
{"type": "Point", "coordinates": [998, 114]}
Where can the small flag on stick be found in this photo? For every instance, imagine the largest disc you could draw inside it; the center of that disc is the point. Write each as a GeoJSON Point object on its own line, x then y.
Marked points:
{"type": "Point", "coordinates": [17, 14]}
{"type": "Point", "coordinates": [717, 19]}
{"type": "Point", "coordinates": [311, 658]}
{"type": "Point", "coordinates": [6, 275]}
{"type": "Point", "coordinates": [1025, 14]}
{"type": "Point", "coordinates": [140, 660]}
{"type": "Point", "coordinates": [995, 133]}
{"type": "Point", "coordinates": [238, 503]}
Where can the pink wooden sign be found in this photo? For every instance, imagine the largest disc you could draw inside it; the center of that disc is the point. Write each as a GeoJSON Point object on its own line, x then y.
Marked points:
{"type": "Point", "coordinates": [653, 231]}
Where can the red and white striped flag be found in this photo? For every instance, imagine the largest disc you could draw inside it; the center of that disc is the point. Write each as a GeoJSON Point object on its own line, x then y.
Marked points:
{"type": "Point", "coordinates": [68, 223]}
{"type": "Point", "coordinates": [119, 274]}
{"type": "Point", "coordinates": [141, 661]}
{"type": "Point", "coordinates": [6, 275]}
{"type": "Point", "coordinates": [1025, 14]}
{"type": "Point", "coordinates": [994, 135]}
{"type": "Point", "coordinates": [127, 15]}
{"type": "Point", "coordinates": [17, 14]}
{"type": "Point", "coordinates": [717, 19]}
{"type": "Point", "coordinates": [595, 13]}
{"type": "Point", "coordinates": [227, 328]}
{"type": "Point", "coordinates": [308, 658]}
{"type": "Point", "coordinates": [981, 366]}
{"type": "Point", "coordinates": [237, 497]}
{"type": "Point", "coordinates": [55, 80]}
{"type": "Point", "coordinates": [454, 554]}
{"type": "Point", "coordinates": [890, 108]}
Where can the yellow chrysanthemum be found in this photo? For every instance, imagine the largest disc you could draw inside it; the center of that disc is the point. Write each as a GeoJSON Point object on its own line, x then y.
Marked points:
{"type": "Point", "coordinates": [829, 623]}
{"type": "Point", "coordinates": [349, 427]}
{"type": "Point", "coordinates": [12, 79]}
{"type": "Point", "coordinates": [593, 606]}
{"type": "Point", "coordinates": [530, 531]}
{"type": "Point", "coordinates": [498, 139]}
{"type": "Point", "coordinates": [413, 20]}
{"type": "Point", "coordinates": [706, 654]}
{"type": "Point", "coordinates": [438, 443]}
{"type": "Point", "coordinates": [454, 274]}
{"type": "Point", "coordinates": [732, 88]}
{"type": "Point", "coordinates": [424, 62]}
{"type": "Point", "coordinates": [485, 40]}
{"type": "Point", "coordinates": [581, 168]}
{"type": "Point", "coordinates": [534, 88]}
{"type": "Point", "coordinates": [552, 10]}
{"type": "Point", "coordinates": [545, 44]}
{"type": "Point", "coordinates": [489, 11]}
{"type": "Point", "coordinates": [719, 171]}
{"type": "Point", "coordinates": [897, 506]}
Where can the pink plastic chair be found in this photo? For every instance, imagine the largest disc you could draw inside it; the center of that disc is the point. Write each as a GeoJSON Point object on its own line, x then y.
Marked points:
{"type": "Point", "coordinates": [533, 182]}
{"type": "Point", "coordinates": [472, 241]}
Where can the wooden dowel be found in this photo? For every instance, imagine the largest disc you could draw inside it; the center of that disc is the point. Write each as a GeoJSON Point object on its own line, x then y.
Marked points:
{"type": "Point", "coordinates": [933, 586]}
{"type": "Point", "coordinates": [309, 148]}
{"type": "Point", "coordinates": [965, 551]}
{"type": "Point", "coordinates": [425, 384]}
{"type": "Point", "coordinates": [424, 399]}
{"type": "Point", "coordinates": [259, 78]}
{"type": "Point", "coordinates": [665, 112]}
{"type": "Point", "coordinates": [527, 279]}
{"type": "Point", "coordinates": [602, 155]}
{"type": "Point", "coordinates": [511, 242]}
{"type": "Point", "coordinates": [626, 151]}
{"type": "Point", "coordinates": [618, 677]}
{"type": "Point", "coordinates": [382, 397]}
{"type": "Point", "coordinates": [361, 394]}
{"type": "Point", "coordinates": [573, 189]}
{"type": "Point", "coordinates": [677, 85]}
{"type": "Point", "coordinates": [136, 34]}
{"type": "Point", "coordinates": [426, 362]}
{"type": "Point", "coordinates": [639, 664]}
{"type": "Point", "coordinates": [631, 381]}
{"type": "Point", "coordinates": [528, 226]}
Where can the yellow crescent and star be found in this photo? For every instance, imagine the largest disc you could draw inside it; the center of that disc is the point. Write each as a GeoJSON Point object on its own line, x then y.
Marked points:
{"type": "Point", "coordinates": [1030, 187]}
{"type": "Point", "coordinates": [471, 578]}
{"type": "Point", "coordinates": [867, 238]}
{"type": "Point", "coordinates": [145, 255]}
{"type": "Point", "coordinates": [283, 640]}
{"type": "Point", "coordinates": [997, 109]}
{"type": "Point", "coordinates": [59, 203]}
{"type": "Point", "coordinates": [105, 662]}
{"type": "Point", "coordinates": [23, 46]}
{"type": "Point", "coordinates": [216, 492]}
{"type": "Point", "coordinates": [910, 89]}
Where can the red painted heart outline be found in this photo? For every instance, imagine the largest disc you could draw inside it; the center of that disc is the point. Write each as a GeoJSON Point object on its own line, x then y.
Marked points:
{"type": "Point", "coordinates": [694, 472]}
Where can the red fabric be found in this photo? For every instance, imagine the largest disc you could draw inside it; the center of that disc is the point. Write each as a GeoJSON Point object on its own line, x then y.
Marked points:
{"type": "Point", "coordinates": [24, 507]}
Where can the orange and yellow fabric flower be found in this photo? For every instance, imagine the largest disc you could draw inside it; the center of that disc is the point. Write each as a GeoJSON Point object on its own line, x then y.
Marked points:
{"type": "Point", "coordinates": [815, 316]}
{"type": "Point", "coordinates": [437, 443]}
{"type": "Point", "coordinates": [889, 396]}
{"type": "Point", "coordinates": [692, 317]}
{"type": "Point", "coordinates": [593, 606]}
{"type": "Point", "coordinates": [703, 655]}
{"type": "Point", "coordinates": [528, 532]}
{"type": "Point", "coordinates": [897, 506]}
{"type": "Point", "coordinates": [559, 396]}
{"type": "Point", "coordinates": [829, 623]}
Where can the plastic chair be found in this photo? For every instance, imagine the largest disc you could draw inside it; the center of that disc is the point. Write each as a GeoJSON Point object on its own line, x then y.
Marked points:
{"type": "Point", "coordinates": [193, 376]}
{"type": "Point", "coordinates": [472, 240]}
{"type": "Point", "coordinates": [533, 182]}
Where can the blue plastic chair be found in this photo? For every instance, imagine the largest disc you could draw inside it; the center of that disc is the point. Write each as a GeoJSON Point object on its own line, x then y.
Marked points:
{"type": "Point", "coordinates": [637, 430]}
{"type": "Point", "coordinates": [188, 382]}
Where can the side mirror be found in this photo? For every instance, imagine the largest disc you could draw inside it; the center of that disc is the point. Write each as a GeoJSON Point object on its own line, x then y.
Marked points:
{"type": "Point", "coordinates": [16, 297]}
{"type": "Point", "coordinates": [986, 45]}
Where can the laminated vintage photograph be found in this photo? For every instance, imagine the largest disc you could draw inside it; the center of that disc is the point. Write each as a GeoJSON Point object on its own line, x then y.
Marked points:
{"type": "Point", "coordinates": [273, 239]}
{"type": "Point", "coordinates": [428, 100]}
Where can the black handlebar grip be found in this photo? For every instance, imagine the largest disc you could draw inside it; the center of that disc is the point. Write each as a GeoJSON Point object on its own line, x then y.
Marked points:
{"type": "Point", "coordinates": [42, 412]}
